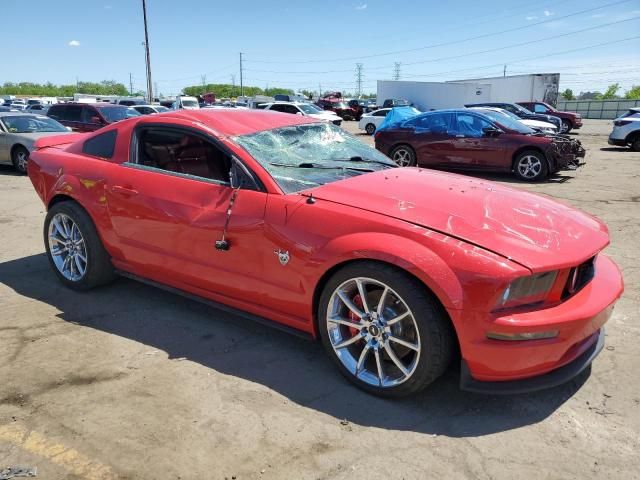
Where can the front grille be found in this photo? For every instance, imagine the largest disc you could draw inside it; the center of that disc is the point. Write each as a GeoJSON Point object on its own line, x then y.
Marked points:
{"type": "Point", "coordinates": [578, 277]}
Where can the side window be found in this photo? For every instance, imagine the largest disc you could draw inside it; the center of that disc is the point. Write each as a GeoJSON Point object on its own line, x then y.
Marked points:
{"type": "Point", "coordinates": [291, 109]}
{"type": "Point", "coordinates": [382, 113]}
{"type": "Point", "coordinates": [72, 113]}
{"type": "Point", "coordinates": [470, 125]}
{"type": "Point", "coordinates": [539, 108]}
{"type": "Point", "coordinates": [87, 114]}
{"type": "Point", "coordinates": [440, 123]}
{"type": "Point", "coordinates": [510, 108]}
{"type": "Point", "coordinates": [277, 108]}
{"type": "Point", "coordinates": [102, 145]}
{"type": "Point", "coordinates": [179, 151]}
{"type": "Point", "coordinates": [54, 112]}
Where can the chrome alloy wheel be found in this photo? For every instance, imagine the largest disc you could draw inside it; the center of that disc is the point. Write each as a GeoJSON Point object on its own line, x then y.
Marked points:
{"type": "Point", "coordinates": [402, 157]}
{"type": "Point", "coordinates": [373, 332]}
{"type": "Point", "coordinates": [67, 247]}
{"type": "Point", "coordinates": [529, 166]}
{"type": "Point", "coordinates": [22, 158]}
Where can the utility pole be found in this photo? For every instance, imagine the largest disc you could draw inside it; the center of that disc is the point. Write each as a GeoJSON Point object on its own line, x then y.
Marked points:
{"type": "Point", "coordinates": [204, 83]}
{"type": "Point", "coordinates": [504, 72]}
{"type": "Point", "coordinates": [156, 89]}
{"type": "Point", "coordinates": [130, 84]}
{"type": "Point", "coordinates": [147, 56]}
{"type": "Point", "coordinates": [358, 79]}
{"type": "Point", "coordinates": [319, 91]}
{"type": "Point", "coordinates": [233, 85]}
{"type": "Point", "coordinates": [396, 71]}
{"type": "Point", "coordinates": [241, 83]}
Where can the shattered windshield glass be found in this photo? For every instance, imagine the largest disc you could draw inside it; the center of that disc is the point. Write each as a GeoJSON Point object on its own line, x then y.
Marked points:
{"type": "Point", "coordinates": [305, 156]}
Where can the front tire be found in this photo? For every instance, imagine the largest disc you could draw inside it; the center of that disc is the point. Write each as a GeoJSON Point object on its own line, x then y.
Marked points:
{"type": "Point", "coordinates": [566, 126]}
{"type": "Point", "coordinates": [74, 248]}
{"type": "Point", "coordinates": [370, 128]}
{"type": "Point", "coordinates": [404, 156]}
{"type": "Point", "coordinates": [635, 144]}
{"type": "Point", "coordinates": [20, 158]}
{"type": "Point", "coordinates": [386, 333]}
{"type": "Point", "coordinates": [531, 166]}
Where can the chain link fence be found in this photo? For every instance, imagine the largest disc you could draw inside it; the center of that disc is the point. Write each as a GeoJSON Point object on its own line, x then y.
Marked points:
{"type": "Point", "coordinates": [605, 109]}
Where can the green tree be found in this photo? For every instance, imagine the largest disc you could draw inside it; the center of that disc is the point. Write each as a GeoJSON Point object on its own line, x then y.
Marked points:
{"type": "Point", "coordinates": [611, 92]}
{"type": "Point", "coordinates": [633, 93]}
{"type": "Point", "coordinates": [568, 94]}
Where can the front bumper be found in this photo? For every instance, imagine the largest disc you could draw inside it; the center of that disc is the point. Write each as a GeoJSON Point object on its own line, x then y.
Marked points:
{"type": "Point", "coordinates": [579, 319]}
{"type": "Point", "coordinates": [617, 142]}
{"type": "Point", "coordinates": [547, 380]}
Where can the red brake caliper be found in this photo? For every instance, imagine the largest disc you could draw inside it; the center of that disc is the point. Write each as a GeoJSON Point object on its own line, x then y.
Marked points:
{"type": "Point", "coordinates": [357, 300]}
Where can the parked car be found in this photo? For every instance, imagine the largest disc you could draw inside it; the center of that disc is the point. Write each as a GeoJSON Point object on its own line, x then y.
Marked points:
{"type": "Point", "coordinates": [497, 113]}
{"type": "Point", "coordinates": [341, 109]}
{"type": "Point", "coordinates": [150, 109]}
{"type": "Point", "coordinates": [38, 108]}
{"type": "Point", "coordinates": [570, 120]}
{"type": "Point", "coordinates": [7, 109]}
{"type": "Point", "coordinates": [468, 140]}
{"type": "Point", "coordinates": [305, 110]}
{"type": "Point", "coordinates": [626, 130]}
{"type": "Point", "coordinates": [184, 102]}
{"type": "Point", "coordinates": [18, 133]}
{"type": "Point", "coordinates": [131, 102]}
{"type": "Point", "coordinates": [359, 107]}
{"type": "Point", "coordinates": [396, 102]}
{"type": "Point", "coordinates": [396, 270]}
{"type": "Point", "coordinates": [87, 117]}
{"type": "Point", "coordinates": [521, 112]}
{"type": "Point", "coordinates": [371, 121]}
{"type": "Point", "coordinates": [19, 106]}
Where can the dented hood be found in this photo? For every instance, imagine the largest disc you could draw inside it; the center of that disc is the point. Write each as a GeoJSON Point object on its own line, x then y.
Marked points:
{"type": "Point", "coordinates": [530, 229]}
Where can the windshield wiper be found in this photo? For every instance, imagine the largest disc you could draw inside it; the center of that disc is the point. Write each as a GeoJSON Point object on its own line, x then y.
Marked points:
{"type": "Point", "coordinates": [319, 167]}
{"type": "Point", "coordinates": [361, 159]}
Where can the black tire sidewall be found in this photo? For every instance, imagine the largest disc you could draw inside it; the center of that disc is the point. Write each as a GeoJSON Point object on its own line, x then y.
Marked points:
{"type": "Point", "coordinates": [413, 161]}
{"type": "Point", "coordinates": [99, 269]}
{"type": "Point", "coordinates": [567, 126]}
{"type": "Point", "coordinates": [373, 130]}
{"type": "Point", "coordinates": [434, 329]}
{"type": "Point", "coordinates": [634, 145]}
{"type": "Point", "coordinates": [544, 171]}
{"type": "Point", "coordinates": [14, 159]}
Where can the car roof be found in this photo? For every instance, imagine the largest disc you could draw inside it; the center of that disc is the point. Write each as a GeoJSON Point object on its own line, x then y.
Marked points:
{"type": "Point", "coordinates": [234, 122]}
{"type": "Point", "coordinates": [19, 114]}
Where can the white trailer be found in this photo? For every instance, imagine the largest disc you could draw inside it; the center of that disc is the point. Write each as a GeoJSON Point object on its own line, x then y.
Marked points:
{"type": "Point", "coordinates": [427, 96]}
{"type": "Point", "coordinates": [540, 87]}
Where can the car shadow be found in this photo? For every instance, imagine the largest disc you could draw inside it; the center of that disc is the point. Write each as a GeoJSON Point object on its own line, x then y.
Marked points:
{"type": "Point", "coordinates": [6, 169]}
{"type": "Point", "coordinates": [510, 178]}
{"type": "Point", "coordinates": [615, 149]}
{"type": "Point", "coordinates": [295, 368]}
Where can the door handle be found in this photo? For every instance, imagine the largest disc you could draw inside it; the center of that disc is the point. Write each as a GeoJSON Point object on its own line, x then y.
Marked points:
{"type": "Point", "coordinates": [124, 191]}
{"type": "Point", "coordinates": [459, 136]}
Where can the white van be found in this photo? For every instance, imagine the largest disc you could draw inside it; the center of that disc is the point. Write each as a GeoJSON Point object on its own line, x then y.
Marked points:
{"type": "Point", "coordinates": [184, 102]}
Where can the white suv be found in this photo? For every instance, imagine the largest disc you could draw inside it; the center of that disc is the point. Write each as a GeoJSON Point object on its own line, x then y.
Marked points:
{"type": "Point", "coordinates": [626, 130]}
{"type": "Point", "coordinates": [305, 110]}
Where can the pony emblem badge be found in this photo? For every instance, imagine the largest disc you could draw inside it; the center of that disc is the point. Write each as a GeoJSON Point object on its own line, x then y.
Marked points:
{"type": "Point", "coordinates": [282, 256]}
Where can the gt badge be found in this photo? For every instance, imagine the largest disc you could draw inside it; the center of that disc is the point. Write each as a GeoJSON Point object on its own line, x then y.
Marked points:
{"type": "Point", "coordinates": [282, 256]}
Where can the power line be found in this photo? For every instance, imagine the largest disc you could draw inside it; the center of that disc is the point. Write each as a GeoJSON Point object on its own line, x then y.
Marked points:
{"type": "Point", "coordinates": [467, 39]}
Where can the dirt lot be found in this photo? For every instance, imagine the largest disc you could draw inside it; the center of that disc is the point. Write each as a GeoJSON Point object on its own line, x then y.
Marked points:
{"type": "Point", "coordinates": [130, 382]}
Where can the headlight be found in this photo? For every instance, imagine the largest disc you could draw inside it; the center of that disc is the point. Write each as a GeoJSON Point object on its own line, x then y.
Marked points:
{"type": "Point", "coordinates": [527, 290]}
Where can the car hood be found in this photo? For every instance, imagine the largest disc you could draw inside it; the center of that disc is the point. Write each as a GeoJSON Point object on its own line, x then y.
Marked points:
{"type": "Point", "coordinates": [327, 115]}
{"type": "Point", "coordinates": [536, 232]}
{"type": "Point", "coordinates": [538, 124]}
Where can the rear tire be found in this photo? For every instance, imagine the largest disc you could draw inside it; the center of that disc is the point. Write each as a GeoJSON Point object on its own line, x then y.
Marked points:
{"type": "Point", "coordinates": [399, 347]}
{"type": "Point", "coordinates": [370, 128]}
{"type": "Point", "coordinates": [20, 159]}
{"type": "Point", "coordinates": [404, 156]}
{"type": "Point", "coordinates": [635, 144]}
{"type": "Point", "coordinates": [74, 248]}
{"type": "Point", "coordinates": [531, 166]}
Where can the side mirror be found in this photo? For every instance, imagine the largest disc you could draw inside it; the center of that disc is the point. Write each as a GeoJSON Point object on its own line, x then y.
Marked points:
{"type": "Point", "coordinates": [69, 128]}
{"type": "Point", "coordinates": [97, 120]}
{"type": "Point", "coordinates": [491, 131]}
{"type": "Point", "coordinates": [241, 177]}
{"type": "Point", "coordinates": [299, 113]}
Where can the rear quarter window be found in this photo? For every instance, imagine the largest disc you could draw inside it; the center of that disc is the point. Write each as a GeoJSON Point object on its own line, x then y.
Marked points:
{"type": "Point", "coordinates": [102, 145]}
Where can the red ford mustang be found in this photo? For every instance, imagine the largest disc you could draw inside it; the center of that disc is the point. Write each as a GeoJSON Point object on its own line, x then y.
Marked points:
{"type": "Point", "coordinates": [396, 270]}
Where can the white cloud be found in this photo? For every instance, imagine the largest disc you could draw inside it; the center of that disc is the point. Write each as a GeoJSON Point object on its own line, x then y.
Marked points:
{"type": "Point", "coordinates": [548, 13]}
{"type": "Point", "coordinates": [362, 6]}
{"type": "Point", "coordinates": [532, 17]}
{"type": "Point", "coordinates": [74, 43]}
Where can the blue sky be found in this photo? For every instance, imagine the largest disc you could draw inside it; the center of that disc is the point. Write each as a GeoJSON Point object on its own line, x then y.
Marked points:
{"type": "Point", "coordinates": [304, 44]}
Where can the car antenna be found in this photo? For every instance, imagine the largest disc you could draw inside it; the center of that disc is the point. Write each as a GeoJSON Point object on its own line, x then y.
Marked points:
{"type": "Point", "coordinates": [311, 200]}
{"type": "Point", "coordinates": [223, 244]}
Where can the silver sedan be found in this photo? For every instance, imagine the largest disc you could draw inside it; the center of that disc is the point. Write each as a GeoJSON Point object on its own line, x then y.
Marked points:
{"type": "Point", "coordinates": [18, 134]}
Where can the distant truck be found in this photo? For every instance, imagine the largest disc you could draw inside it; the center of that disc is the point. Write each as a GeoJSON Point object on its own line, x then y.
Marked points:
{"type": "Point", "coordinates": [184, 102]}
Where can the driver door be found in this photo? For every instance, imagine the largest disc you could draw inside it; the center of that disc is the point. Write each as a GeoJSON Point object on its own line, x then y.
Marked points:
{"type": "Point", "coordinates": [168, 206]}
{"type": "Point", "coordinates": [472, 148]}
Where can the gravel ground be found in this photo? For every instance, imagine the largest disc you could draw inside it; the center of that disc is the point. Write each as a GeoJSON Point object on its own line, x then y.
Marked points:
{"type": "Point", "coordinates": [130, 382]}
